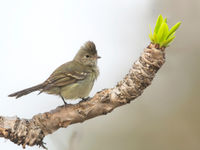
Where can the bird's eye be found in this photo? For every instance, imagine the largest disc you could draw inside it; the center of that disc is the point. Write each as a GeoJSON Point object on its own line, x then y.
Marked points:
{"type": "Point", "coordinates": [87, 56]}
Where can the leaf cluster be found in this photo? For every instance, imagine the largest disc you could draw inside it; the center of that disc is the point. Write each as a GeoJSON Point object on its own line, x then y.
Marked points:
{"type": "Point", "coordinates": [162, 35]}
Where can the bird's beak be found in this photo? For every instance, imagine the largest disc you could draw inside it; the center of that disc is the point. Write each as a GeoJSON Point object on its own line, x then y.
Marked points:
{"type": "Point", "coordinates": [98, 57]}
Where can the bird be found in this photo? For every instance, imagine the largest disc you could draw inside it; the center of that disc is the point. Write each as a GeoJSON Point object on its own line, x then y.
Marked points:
{"type": "Point", "coordinates": [73, 79]}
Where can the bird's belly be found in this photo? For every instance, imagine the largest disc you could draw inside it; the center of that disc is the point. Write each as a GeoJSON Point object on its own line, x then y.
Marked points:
{"type": "Point", "coordinates": [77, 90]}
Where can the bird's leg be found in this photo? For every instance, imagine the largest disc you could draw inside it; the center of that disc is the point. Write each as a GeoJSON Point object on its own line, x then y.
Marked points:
{"type": "Point", "coordinates": [63, 100]}
{"type": "Point", "coordinates": [85, 99]}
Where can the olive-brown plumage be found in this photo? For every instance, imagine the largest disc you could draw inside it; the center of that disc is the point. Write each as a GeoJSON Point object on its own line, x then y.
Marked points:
{"type": "Point", "coordinates": [73, 79]}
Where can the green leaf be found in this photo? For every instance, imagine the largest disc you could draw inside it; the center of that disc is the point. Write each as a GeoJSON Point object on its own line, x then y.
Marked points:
{"type": "Point", "coordinates": [165, 43]}
{"type": "Point", "coordinates": [151, 37]}
{"type": "Point", "coordinates": [163, 31]}
{"type": "Point", "coordinates": [165, 20]}
{"type": "Point", "coordinates": [167, 28]}
{"type": "Point", "coordinates": [155, 39]}
{"type": "Point", "coordinates": [173, 29]}
{"type": "Point", "coordinates": [158, 24]}
{"type": "Point", "coordinates": [172, 35]}
{"type": "Point", "coordinates": [151, 34]}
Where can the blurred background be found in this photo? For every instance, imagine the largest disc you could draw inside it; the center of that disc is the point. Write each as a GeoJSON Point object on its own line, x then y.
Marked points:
{"type": "Point", "coordinates": [38, 36]}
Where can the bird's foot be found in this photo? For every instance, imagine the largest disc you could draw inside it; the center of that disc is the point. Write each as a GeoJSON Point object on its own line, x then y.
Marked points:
{"type": "Point", "coordinates": [64, 101]}
{"type": "Point", "coordinates": [85, 99]}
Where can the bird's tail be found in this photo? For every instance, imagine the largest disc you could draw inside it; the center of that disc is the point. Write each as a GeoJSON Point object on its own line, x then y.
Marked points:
{"type": "Point", "coordinates": [26, 91]}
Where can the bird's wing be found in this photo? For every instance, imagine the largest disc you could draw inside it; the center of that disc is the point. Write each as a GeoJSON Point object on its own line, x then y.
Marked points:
{"type": "Point", "coordinates": [64, 75]}
{"type": "Point", "coordinates": [65, 78]}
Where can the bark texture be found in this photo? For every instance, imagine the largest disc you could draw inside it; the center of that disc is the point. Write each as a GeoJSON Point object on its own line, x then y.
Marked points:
{"type": "Point", "coordinates": [32, 131]}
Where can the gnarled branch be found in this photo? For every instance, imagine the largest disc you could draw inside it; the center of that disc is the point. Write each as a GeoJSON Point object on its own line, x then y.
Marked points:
{"type": "Point", "coordinates": [32, 131]}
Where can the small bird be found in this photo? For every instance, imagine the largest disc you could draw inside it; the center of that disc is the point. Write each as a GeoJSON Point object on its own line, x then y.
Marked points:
{"type": "Point", "coordinates": [71, 80]}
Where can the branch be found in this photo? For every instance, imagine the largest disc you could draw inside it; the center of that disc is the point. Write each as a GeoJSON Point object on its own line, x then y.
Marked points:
{"type": "Point", "coordinates": [32, 131]}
